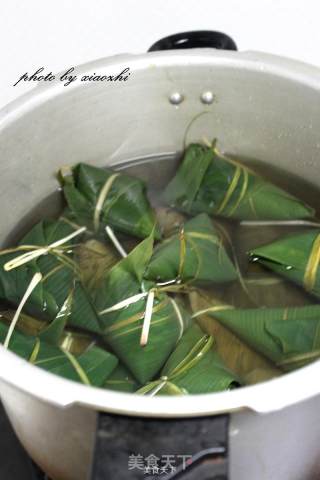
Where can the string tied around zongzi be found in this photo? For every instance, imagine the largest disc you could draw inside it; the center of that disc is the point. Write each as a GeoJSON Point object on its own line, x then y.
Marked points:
{"type": "Point", "coordinates": [182, 259]}
{"type": "Point", "coordinates": [77, 367]}
{"type": "Point", "coordinates": [311, 270]}
{"type": "Point", "coordinates": [179, 316]}
{"type": "Point", "coordinates": [183, 250]}
{"type": "Point", "coordinates": [239, 170]}
{"type": "Point", "coordinates": [299, 358]}
{"type": "Point", "coordinates": [35, 351]}
{"type": "Point", "coordinates": [70, 357]}
{"type": "Point", "coordinates": [150, 296]}
{"type": "Point", "coordinates": [147, 318]}
{"type": "Point", "coordinates": [124, 303]}
{"type": "Point", "coordinates": [195, 355]}
{"type": "Point", "coordinates": [216, 308]}
{"type": "Point", "coordinates": [36, 251]}
{"type": "Point", "coordinates": [116, 242]}
{"type": "Point", "coordinates": [101, 199]}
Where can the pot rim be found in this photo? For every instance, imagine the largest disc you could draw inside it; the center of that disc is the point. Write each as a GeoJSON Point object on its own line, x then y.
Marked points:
{"type": "Point", "coordinates": [263, 397]}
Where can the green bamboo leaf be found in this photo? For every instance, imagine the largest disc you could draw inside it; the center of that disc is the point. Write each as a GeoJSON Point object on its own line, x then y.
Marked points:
{"type": "Point", "coordinates": [209, 182]}
{"type": "Point", "coordinates": [126, 277]}
{"type": "Point", "coordinates": [295, 257]}
{"type": "Point", "coordinates": [124, 330]}
{"type": "Point", "coordinates": [53, 332]}
{"type": "Point", "coordinates": [121, 303]}
{"type": "Point", "coordinates": [277, 333]}
{"type": "Point", "coordinates": [98, 197]}
{"type": "Point", "coordinates": [184, 188]}
{"type": "Point", "coordinates": [193, 367]}
{"type": "Point", "coordinates": [60, 275]}
{"type": "Point", "coordinates": [70, 340]}
{"type": "Point", "coordinates": [205, 259]}
{"type": "Point", "coordinates": [14, 283]}
{"type": "Point", "coordinates": [121, 380]}
{"type": "Point", "coordinates": [235, 353]}
{"type": "Point", "coordinates": [92, 367]}
{"type": "Point", "coordinates": [266, 290]}
{"type": "Point", "coordinates": [46, 232]}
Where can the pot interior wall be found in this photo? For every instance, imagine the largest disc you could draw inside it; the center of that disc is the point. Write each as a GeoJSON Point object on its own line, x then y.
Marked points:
{"type": "Point", "coordinates": [256, 113]}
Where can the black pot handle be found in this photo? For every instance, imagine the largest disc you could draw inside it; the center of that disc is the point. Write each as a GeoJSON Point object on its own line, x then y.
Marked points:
{"type": "Point", "coordinates": [195, 39]}
{"type": "Point", "coordinates": [129, 448]}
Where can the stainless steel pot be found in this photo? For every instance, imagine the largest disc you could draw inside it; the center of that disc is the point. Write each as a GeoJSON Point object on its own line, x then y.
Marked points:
{"type": "Point", "coordinates": [264, 107]}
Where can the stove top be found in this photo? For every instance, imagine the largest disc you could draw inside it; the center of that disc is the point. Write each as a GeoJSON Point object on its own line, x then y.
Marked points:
{"type": "Point", "coordinates": [15, 464]}
{"type": "Point", "coordinates": [208, 460]}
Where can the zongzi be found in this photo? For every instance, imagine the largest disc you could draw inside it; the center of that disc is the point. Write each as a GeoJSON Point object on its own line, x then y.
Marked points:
{"type": "Point", "coordinates": [289, 337]}
{"type": "Point", "coordinates": [193, 367]}
{"type": "Point", "coordinates": [122, 303]}
{"type": "Point", "coordinates": [295, 257]}
{"type": "Point", "coordinates": [91, 367]}
{"type": "Point", "coordinates": [209, 182]}
{"type": "Point", "coordinates": [120, 290]}
{"type": "Point", "coordinates": [121, 380]}
{"type": "Point", "coordinates": [55, 331]}
{"type": "Point", "coordinates": [60, 276]}
{"type": "Point", "coordinates": [98, 197]}
{"type": "Point", "coordinates": [194, 255]}
{"type": "Point", "coordinates": [235, 353]}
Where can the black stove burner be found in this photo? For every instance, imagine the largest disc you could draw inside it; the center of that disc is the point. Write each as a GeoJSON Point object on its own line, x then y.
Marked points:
{"type": "Point", "coordinates": [14, 461]}
{"type": "Point", "coordinates": [129, 448]}
{"type": "Point", "coordinates": [136, 448]}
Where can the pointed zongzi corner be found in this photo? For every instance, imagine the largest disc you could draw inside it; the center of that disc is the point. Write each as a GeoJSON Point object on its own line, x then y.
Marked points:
{"type": "Point", "coordinates": [236, 354]}
{"type": "Point", "coordinates": [124, 330]}
{"type": "Point", "coordinates": [122, 303]}
{"type": "Point", "coordinates": [289, 337]}
{"type": "Point", "coordinates": [121, 380]}
{"type": "Point", "coordinates": [91, 367]}
{"type": "Point", "coordinates": [193, 367]}
{"type": "Point", "coordinates": [98, 197]}
{"type": "Point", "coordinates": [295, 257]}
{"type": "Point", "coordinates": [60, 275]}
{"type": "Point", "coordinates": [207, 181]}
{"type": "Point", "coordinates": [194, 255]}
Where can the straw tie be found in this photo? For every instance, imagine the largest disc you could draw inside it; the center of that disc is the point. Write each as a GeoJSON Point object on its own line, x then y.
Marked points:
{"type": "Point", "coordinates": [101, 199]}
{"type": "Point", "coordinates": [38, 251]}
{"type": "Point", "coordinates": [196, 354]}
{"type": "Point", "coordinates": [311, 270]}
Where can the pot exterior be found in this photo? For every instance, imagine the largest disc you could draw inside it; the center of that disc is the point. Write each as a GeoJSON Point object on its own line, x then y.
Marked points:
{"type": "Point", "coordinates": [60, 441]}
{"type": "Point", "coordinates": [282, 445]}
{"type": "Point", "coordinates": [264, 107]}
